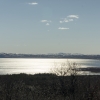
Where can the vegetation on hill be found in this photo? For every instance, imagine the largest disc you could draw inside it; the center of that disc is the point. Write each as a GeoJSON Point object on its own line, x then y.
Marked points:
{"type": "Point", "coordinates": [49, 87]}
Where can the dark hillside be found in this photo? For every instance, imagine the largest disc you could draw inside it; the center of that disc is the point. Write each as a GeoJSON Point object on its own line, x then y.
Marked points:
{"type": "Point", "coordinates": [49, 87]}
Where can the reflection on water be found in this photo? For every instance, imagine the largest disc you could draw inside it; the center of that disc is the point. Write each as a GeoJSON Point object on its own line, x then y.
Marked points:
{"type": "Point", "coordinates": [32, 66]}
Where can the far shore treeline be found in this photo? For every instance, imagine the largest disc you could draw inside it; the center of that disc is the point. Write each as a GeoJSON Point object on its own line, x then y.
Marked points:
{"type": "Point", "coordinates": [59, 55]}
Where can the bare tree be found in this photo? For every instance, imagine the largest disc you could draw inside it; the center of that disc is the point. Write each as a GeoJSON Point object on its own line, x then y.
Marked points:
{"type": "Point", "coordinates": [70, 69]}
{"type": "Point", "coordinates": [66, 69]}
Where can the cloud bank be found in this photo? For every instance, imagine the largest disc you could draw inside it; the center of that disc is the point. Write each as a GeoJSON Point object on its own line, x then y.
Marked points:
{"type": "Point", "coordinates": [69, 18]}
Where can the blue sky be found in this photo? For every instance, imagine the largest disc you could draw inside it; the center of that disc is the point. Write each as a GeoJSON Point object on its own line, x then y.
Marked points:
{"type": "Point", "coordinates": [50, 26]}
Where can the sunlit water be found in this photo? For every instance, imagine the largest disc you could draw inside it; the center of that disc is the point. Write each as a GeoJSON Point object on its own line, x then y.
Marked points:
{"type": "Point", "coordinates": [33, 66]}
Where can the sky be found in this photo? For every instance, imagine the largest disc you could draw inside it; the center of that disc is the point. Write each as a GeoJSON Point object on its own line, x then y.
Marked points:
{"type": "Point", "coordinates": [50, 26]}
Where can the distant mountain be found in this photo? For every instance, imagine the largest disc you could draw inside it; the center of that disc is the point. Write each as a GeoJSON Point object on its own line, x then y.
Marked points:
{"type": "Point", "coordinates": [58, 55]}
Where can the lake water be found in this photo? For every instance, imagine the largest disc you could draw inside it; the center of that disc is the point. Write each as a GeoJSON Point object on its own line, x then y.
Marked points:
{"type": "Point", "coordinates": [33, 66]}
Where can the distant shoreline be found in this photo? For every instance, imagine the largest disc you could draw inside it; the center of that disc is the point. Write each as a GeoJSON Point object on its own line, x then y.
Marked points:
{"type": "Point", "coordinates": [51, 58]}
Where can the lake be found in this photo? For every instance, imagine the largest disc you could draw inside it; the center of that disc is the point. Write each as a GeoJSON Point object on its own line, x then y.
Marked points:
{"type": "Point", "coordinates": [33, 66]}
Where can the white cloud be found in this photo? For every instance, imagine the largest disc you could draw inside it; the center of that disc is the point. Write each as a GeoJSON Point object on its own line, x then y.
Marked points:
{"type": "Point", "coordinates": [61, 21]}
{"type": "Point", "coordinates": [33, 3]}
{"type": "Point", "coordinates": [64, 20]}
{"type": "Point", "coordinates": [45, 21]}
{"type": "Point", "coordinates": [63, 28]}
{"type": "Point", "coordinates": [71, 19]}
{"type": "Point", "coordinates": [73, 16]}
{"type": "Point", "coordinates": [47, 24]}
